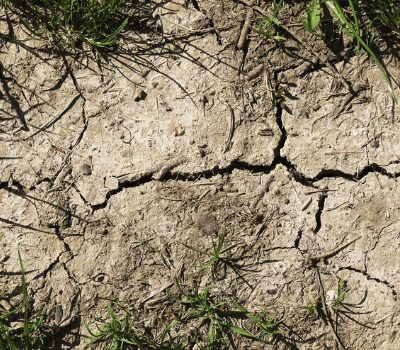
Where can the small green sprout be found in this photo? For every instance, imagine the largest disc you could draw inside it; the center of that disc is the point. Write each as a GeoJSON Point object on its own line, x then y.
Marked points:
{"type": "Point", "coordinates": [31, 335]}
{"type": "Point", "coordinates": [268, 327]}
{"type": "Point", "coordinates": [268, 26]}
{"type": "Point", "coordinates": [313, 307]}
{"type": "Point", "coordinates": [216, 255]}
{"type": "Point", "coordinates": [116, 332]}
{"type": "Point", "coordinates": [312, 17]}
{"type": "Point", "coordinates": [340, 297]}
{"type": "Point", "coordinates": [201, 308]}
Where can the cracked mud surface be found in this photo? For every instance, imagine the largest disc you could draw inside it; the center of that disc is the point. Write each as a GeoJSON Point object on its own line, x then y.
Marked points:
{"type": "Point", "coordinates": [119, 164]}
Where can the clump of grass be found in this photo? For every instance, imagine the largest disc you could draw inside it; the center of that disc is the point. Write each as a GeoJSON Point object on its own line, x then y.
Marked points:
{"type": "Point", "coordinates": [216, 255]}
{"type": "Point", "coordinates": [353, 31]}
{"type": "Point", "coordinates": [386, 11]}
{"type": "Point", "coordinates": [201, 308]}
{"type": "Point", "coordinates": [120, 334]}
{"type": "Point", "coordinates": [340, 298]}
{"type": "Point", "coordinates": [214, 314]}
{"type": "Point", "coordinates": [31, 336]}
{"type": "Point", "coordinates": [268, 327]}
{"type": "Point", "coordinates": [70, 21]}
{"type": "Point", "coordinates": [269, 26]}
{"type": "Point", "coordinates": [313, 307]}
{"type": "Point", "coordinates": [116, 332]}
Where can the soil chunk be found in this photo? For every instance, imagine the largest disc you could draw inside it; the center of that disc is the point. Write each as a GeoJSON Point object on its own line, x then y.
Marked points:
{"type": "Point", "coordinates": [206, 223]}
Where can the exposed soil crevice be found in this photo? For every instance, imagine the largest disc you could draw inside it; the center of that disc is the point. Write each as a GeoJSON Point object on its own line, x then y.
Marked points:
{"type": "Point", "coordinates": [321, 205]}
{"type": "Point", "coordinates": [371, 278]}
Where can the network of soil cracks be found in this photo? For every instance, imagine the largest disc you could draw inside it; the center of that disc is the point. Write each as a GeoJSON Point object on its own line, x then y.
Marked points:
{"type": "Point", "coordinates": [292, 148]}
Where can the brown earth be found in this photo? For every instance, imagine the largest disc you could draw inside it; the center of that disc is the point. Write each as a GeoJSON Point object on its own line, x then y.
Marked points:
{"type": "Point", "coordinates": [106, 168]}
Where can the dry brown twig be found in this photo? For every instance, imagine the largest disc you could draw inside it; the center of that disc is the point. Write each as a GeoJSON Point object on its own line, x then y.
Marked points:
{"type": "Point", "coordinates": [231, 129]}
{"type": "Point", "coordinates": [324, 255]}
{"type": "Point", "coordinates": [246, 27]}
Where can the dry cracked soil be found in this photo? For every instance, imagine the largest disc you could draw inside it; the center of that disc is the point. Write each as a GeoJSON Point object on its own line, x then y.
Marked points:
{"type": "Point", "coordinates": [108, 164]}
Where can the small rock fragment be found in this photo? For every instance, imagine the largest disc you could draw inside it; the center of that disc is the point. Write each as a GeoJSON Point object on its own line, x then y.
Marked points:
{"type": "Point", "coordinates": [5, 305]}
{"type": "Point", "coordinates": [140, 95]}
{"type": "Point", "coordinates": [111, 183]}
{"type": "Point", "coordinates": [179, 131]}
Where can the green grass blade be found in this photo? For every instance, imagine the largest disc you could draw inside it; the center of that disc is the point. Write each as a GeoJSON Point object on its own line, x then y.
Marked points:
{"type": "Point", "coordinates": [313, 17]}
{"type": "Point", "coordinates": [196, 250]}
{"type": "Point", "coordinates": [357, 29]}
{"type": "Point", "coordinates": [243, 332]}
{"type": "Point", "coordinates": [211, 333]}
{"type": "Point", "coordinates": [25, 296]}
{"type": "Point", "coordinates": [180, 289]}
{"type": "Point", "coordinates": [167, 330]}
{"type": "Point", "coordinates": [248, 314]}
{"type": "Point", "coordinates": [276, 9]}
{"type": "Point", "coordinates": [334, 6]}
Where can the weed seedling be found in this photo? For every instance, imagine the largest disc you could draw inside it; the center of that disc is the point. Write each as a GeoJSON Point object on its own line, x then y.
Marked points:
{"type": "Point", "coordinates": [215, 256]}
{"type": "Point", "coordinates": [312, 17]}
{"type": "Point", "coordinates": [174, 343]}
{"type": "Point", "coordinates": [201, 308]}
{"type": "Point", "coordinates": [269, 26]}
{"type": "Point", "coordinates": [313, 307]}
{"type": "Point", "coordinates": [340, 297]}
{"type": "Point", "coordinates": [116, 332]}
{"type": "Point", "coordinates": [268, 327]}
{"type": "Point", "coordinates": [31, 333]}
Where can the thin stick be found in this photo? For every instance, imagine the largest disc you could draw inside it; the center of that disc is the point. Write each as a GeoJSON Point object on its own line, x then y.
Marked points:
{"type": "Point", "coordinates": [318, 191]}
{"type": "Point", "coordinates": [231, 129]}
{"type": "Point", "coordinates": [206, 183]}
{"type": "Point", "coordinates": [306, 204]}
{"type": "Point", "coordinates": [296, 192]}
{"type": "Point", "coordinates": [246, 28]}
{"type": "Point", "coordinates": [320, 256]}
{"type": "Point", "coordinates": [203, 194]}
{"type": "Point", "coordinates": [330, 209]}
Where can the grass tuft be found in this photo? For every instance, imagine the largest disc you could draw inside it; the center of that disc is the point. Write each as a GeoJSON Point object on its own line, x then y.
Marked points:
{"type": "Point", "coordinates": [96, 22]}
{"type": "Point", "coordinates": [215, 255]}
{"type": "Point", "coordinates": [29, 337]}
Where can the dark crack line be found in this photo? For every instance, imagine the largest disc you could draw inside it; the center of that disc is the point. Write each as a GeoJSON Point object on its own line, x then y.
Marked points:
{"type": "Point", "coordinates": [321, 206]}
{"type": "Point", "coordinates": [370, 278]}
{"type": "Point", "coordinates": [50, 267]}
